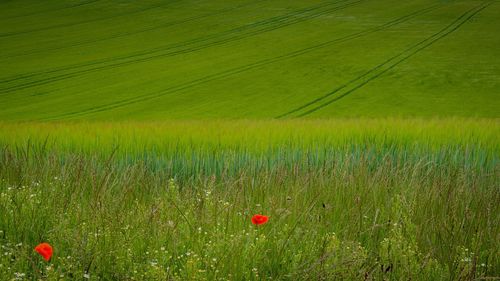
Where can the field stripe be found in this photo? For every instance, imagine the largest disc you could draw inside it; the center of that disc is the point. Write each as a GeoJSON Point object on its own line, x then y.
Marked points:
{"type": "Point", "coordinates": [171, 46]}
{"type": "Point", "coordinates": [389, 64]}
{"type": "Point", "coordinates": [10, 34]}
{"type": "Point", "coordinates": [245, 68]}
{"type": "Point", "coordinates": [150, 55]}
{"type": "Point", "coordinates": [130, 33]}
{"type": "Point", "coordinates": [52, 10]}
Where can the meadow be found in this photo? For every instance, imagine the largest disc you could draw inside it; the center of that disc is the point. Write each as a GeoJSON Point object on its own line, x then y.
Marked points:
{"type": "Point", "coordinates": [372, 199]}
{"type": "Point", "coordinates": [140, 139]}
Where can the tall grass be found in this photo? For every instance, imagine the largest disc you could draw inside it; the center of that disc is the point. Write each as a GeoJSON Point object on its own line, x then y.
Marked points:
{"type": "Point", "coordinates": [347, 199]}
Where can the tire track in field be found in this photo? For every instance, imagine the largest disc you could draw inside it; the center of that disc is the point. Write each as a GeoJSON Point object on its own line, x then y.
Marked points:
{"type": "Point", "coordinates": [130, 33]}
{"type": "Point", "coordinates": [176, 45]}
{"type": "Point", "coordinates": [384, 67]}
{"type": "Point", "coordinates": [10, 34]}
{"type": "Point", "coordinates": [52, 10]}
{"type": "Point", "coordinates": [241, 69]}
{"type": "Point", "coordinates": [170, 46]}
{"type": "Point", "coordinates": [150, 55]}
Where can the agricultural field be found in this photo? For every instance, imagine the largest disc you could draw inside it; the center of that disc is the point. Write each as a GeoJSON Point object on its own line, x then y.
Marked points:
{"type": "Point", "coordinates": [248, 59]}
{"type": "Point", "coordinates": [249, 140]}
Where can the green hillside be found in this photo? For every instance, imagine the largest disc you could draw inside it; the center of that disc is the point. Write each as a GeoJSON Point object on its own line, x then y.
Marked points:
{"type": "Point", "coordinates": [249, 140]}
{"type": "Point", "coordinates": [149, 60]}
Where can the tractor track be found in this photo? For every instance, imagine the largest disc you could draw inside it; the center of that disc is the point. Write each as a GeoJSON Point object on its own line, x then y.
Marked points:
{"type": "Point", "coordinates": [244, 68]}
{"type": "Point", "coordinates": [384, 67]}
{"type": "Point", "coordinates": [126, 34]}
{"type": "Point", "coordinates": [52, 10]}
{"type": "Point", "coordinates": [10, 34]}
{"type": "Point", "coordinates": [168, 46]}
{"type": "Point", "coordinates": [261, 26]}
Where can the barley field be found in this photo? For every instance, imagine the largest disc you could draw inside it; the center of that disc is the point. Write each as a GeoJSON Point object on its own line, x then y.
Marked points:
{"type": "Point", "coordinates": [187, 59]}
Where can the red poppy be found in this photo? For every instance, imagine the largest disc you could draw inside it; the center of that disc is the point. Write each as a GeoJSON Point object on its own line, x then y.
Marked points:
{"type": "Point", "coordinates": [259, 219]}
{"type": "Point", "coordinates": [45, 250]}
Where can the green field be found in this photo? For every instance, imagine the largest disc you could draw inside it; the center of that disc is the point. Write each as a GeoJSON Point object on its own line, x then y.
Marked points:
{"type": "Point", "coordinates": [138, 138]}
{"type": "Point", "coordinates": [248, 59]}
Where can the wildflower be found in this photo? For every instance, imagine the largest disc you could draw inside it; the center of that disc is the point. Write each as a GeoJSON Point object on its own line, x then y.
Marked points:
{"type": "Point", "coordinates": [259, 219]}
{"type": "Point", "coordinates": [45, 250]}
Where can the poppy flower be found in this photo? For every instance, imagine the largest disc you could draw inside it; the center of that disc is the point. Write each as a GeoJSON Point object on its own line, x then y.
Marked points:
{"type": "Point", "coordinates": [259, 219]}
{"type": "Point", "coordinates": [45, 250]}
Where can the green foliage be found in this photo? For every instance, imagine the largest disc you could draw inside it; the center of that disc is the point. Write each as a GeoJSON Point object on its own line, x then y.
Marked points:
{"type": "Point", "coordinates": [400, 256]}
{"type": "Point", "coordinates": [377, 202]}
{"type": "Point", "coordinates": [161, 60]}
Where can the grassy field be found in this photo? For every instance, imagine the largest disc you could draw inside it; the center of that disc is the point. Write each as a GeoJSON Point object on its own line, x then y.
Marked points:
{"type": "Point", "coordinates": [153, 60]}
{"type": "Point", "coordinates": [375, 199]}
{"type": "Point", "coordinates": [139, 138]}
